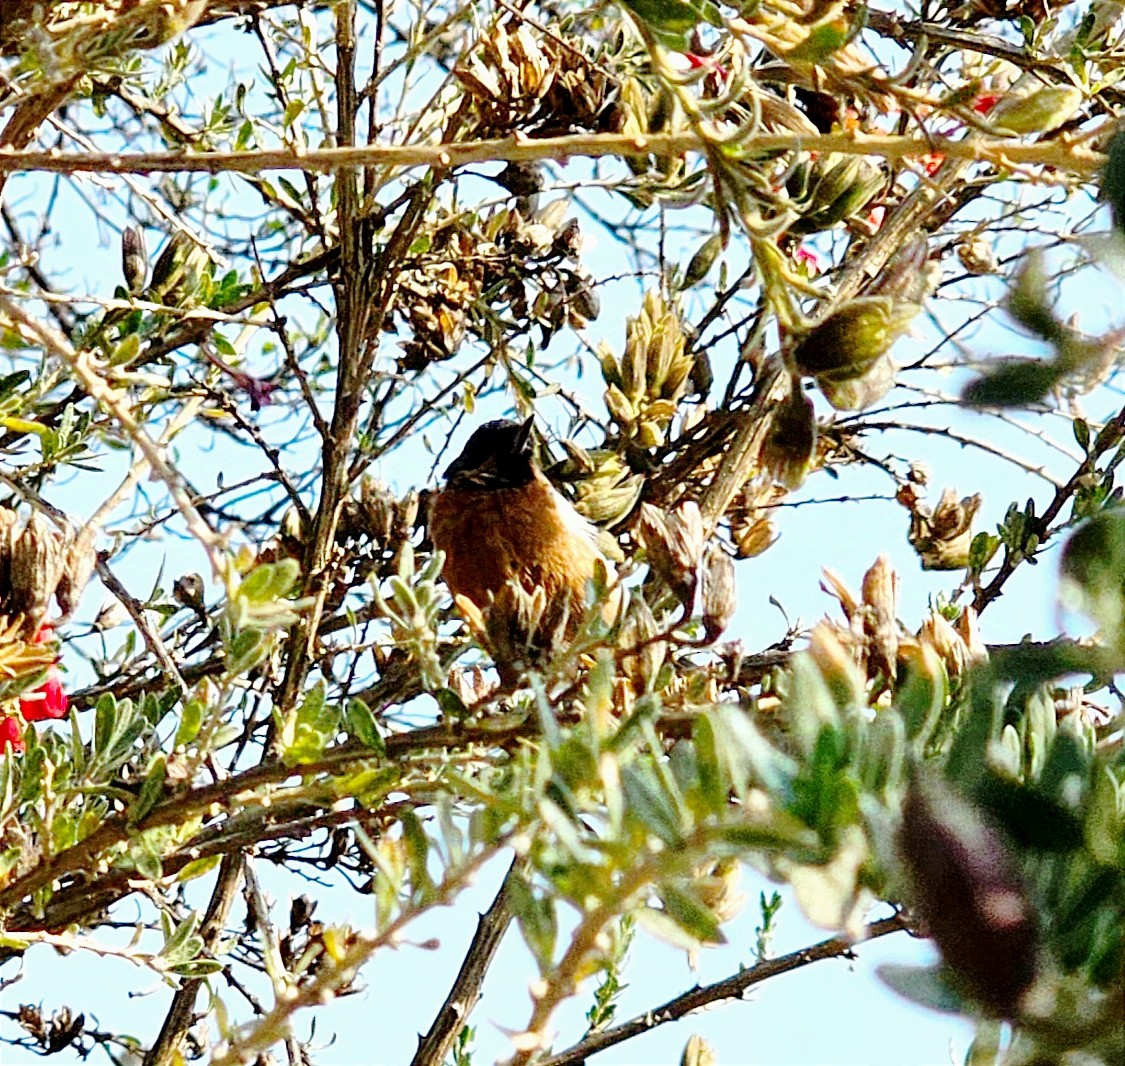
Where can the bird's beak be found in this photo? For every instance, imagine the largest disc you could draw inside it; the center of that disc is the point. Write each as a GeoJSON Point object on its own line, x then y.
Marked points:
{"type": "Point", "coordinates": [523, 438]}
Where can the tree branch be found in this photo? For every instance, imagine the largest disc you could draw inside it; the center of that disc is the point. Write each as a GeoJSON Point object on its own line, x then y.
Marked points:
{"type": "Point", "coordinates": [466, 990]}
{"type": "Point", "coordinates": [1063, 153]}
{"type": "Point", "coordinates": [733, 987]}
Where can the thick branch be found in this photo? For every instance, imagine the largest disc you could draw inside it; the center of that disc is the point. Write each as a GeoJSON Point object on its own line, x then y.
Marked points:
{"type": "Point", "coordinates": [1062, 153]}
{"type": "Point", "coordinates": [466, 990]}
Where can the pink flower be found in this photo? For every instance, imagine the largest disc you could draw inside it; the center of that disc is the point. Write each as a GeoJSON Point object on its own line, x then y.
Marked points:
{"type": "Point", "coordinates": [47, 701]}
{"type": "Point", "coordinates": [808, 259]}
{"type": "Point", "coordinates": [11, 732]}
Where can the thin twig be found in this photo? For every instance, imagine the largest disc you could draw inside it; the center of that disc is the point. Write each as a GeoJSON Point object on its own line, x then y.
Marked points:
{"type": "Point", "coordinates": [733, 987]}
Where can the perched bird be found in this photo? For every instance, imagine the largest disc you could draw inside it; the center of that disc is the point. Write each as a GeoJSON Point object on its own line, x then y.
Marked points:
{"type": "Point", "coordinates": [515, 548]}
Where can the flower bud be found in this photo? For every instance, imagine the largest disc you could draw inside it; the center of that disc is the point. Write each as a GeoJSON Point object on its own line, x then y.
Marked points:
{"type": "Point", "coordinates": [1040, 111]}
{"type": "Point", "coordinates": [703, 260]}
{"type": "Point", "coordinates": [697, 1052]}
{"type": "Point", "coordinates": [847, 343]}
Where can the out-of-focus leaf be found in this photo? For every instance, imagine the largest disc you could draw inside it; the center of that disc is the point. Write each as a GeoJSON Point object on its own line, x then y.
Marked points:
{"type": "Point", "coordinates": [691, 915]}
{"type": "Point", "coordinates": [1113, 179]}
{"type": "Point", "coordinates": [1017, 383]}
{"type": "Point", "coordinates": [922, 985]}
{"type": "Point", "coordinates": [1093, 574]}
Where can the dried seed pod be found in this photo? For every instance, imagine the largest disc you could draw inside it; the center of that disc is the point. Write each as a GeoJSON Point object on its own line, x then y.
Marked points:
{"type": "Point", "coordinates": [880, 607]}
{"type": "Point", "coordinates": [640, 626]}
{"type": "Point", "coordinates": [673, 546]}
{"type": "Point", "coordinates": [718, 591]}
{"type": "Point", "coordinates": [134, 261]}
{"type": "Point", "coordinates": [37, 562]}
{"type": "Point", "coordinates": [937, 634]}
{"type": "Point", "coordinates": [378, 511]}
{"type": "Point", "coordinates": [9, 531]}
{"type": "Point", "coordinates": [188, 592]}
{"type": "Point", "coordinates": [977, 256]}
{"type": "Point", "coordinates": [789, 446]}
{"type": "Point", "coordinates": [970, 896]}
{"type": "Point", "coordinates": [79, 560]}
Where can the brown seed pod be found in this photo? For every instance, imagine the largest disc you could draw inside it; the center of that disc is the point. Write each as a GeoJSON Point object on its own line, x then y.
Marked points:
{"type": "Point", "coordinates": [673, 545]}
{"type": "Point", "coordinates": [37, 564]}
{"type": "Point", "coordinates": [719, 600]}
{"type": "Point", "coordinates": [9, 531]}
{"type": "Point", "coordinates": [79, 559]}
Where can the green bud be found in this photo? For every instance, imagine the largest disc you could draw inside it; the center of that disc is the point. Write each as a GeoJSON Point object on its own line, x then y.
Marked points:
{"type": "Point", "coordinates": [1039, 112]}
{"type": "Point", "coordinates": [703, 260]}
{"type": "Point", "coordinates": [847, 343]}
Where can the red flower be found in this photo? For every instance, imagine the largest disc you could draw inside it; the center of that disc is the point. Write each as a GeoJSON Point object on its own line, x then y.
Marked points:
{"type": "Point", "coordinates": [11, 732]}
{"type": "Point", "coordinates": [931, 163]}
{"type": "Point", "coordinates": [985, 103]}
{"type": "Point", "coordinates": [47, 701]}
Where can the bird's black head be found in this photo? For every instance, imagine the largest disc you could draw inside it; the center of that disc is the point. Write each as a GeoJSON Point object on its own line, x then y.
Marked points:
{"type": "Point", "coordinates": [498, 456]}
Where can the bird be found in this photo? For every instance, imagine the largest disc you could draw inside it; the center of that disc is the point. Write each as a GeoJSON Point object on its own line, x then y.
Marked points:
{"type": "Point", "coordinates": [518, 557]}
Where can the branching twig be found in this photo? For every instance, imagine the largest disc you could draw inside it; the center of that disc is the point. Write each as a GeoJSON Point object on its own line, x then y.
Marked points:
{"type": "Point", "coordinates": [733, 987]}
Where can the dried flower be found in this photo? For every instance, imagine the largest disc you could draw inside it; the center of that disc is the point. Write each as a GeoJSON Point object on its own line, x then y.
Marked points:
{"type": "Point", "coordinates": [718, 591]}
{"type": "Point", "coordinates": [673, 544]}
{"type": "Point", "coordinates": [941, 535]}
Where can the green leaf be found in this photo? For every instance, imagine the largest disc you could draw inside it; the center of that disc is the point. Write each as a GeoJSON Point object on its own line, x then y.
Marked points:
{"type": "Point", "coordinates": [1092, 574]}
{"type": "Point", "coordinates": [198, 868]}
{"type": "Point", "coordinates": [1113, 179]}
{"type": "Point", "coordinates": [537, 920]}
{"type": "Point", "coordinates": [183, 944]}
{"type": "Point", "coordinates": [191, 720]}
{"type": "Point", "coordinates": [309, 729]}
{"type": "Point", "coordinates": [647, 801]}
{"type": "Point", "coordinates": [661, 924]}
{"type": "Point", "coordinates": [360, 723]}
{"type": "Point", "coordinates": [1017, 383]}
{"type": "Point", "coordinates": [151, 791]}
{"type": "Point", "coordinates": [924, 986]}
{"type": "Point", "coordinates": [672, 19]}
{"type": "Point", "coordinates": [685, 909]}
